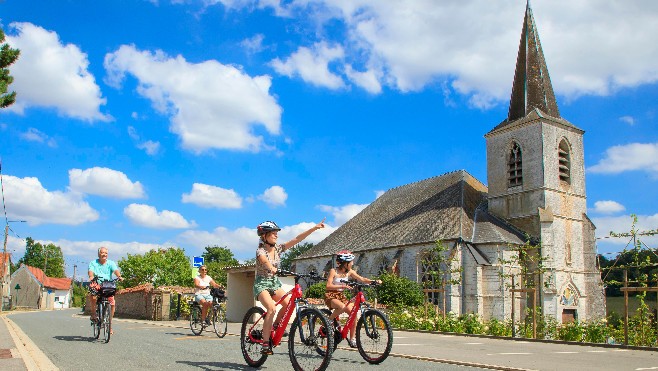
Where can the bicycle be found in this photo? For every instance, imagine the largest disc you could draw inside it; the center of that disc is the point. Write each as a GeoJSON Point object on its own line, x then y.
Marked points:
{"type": "Point", "coordinates": [103, 320]}
{"type": "Point", "coordinates": [374, 336]}
{"type": "Point", "coordinates": [217, 314]}
{"type": "Point", "coordinates": [304, 334]}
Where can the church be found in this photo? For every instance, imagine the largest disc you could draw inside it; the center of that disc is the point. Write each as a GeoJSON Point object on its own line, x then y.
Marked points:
{"type": "Point", "coordinates": [535, 195]}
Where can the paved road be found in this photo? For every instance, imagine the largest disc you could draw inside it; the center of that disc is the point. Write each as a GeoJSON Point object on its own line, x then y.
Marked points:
{"type": "Point", "coordinates": [64, 336]}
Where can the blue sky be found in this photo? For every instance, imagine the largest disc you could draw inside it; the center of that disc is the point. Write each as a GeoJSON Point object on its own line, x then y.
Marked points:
{"type": "Point", "coordinates": [145, 124]}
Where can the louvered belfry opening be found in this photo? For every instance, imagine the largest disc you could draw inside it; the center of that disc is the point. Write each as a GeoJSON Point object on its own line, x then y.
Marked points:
{"type": "Point", "coordinates": [564, 159]}
{"type": "Point", "coordinates": [514, 166]}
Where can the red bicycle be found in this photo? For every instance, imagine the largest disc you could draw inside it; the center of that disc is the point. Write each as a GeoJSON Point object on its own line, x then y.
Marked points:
{"type": "Point", "coordinates": [374, 336]}
{"type": "Point", "coordinates": [308, 347]}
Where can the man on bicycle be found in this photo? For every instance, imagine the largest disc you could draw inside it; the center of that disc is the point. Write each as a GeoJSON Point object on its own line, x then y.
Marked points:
{"type": "Point", "coordinates": [103, 268]}
{"type": "Point", "coordinates": [202, 284]}
{"type": "Point", "coordinates": [267, 286]}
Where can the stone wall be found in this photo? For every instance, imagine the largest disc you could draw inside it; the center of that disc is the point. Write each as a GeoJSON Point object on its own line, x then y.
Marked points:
{"type": "Point", "coordinates": [141, 302]}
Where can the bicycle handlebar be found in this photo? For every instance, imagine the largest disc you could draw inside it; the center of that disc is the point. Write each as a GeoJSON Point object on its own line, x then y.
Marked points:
{"type": "Point", "coordinates": [285, 273]}
{"type": "Point", "coordinates": [361, 285]}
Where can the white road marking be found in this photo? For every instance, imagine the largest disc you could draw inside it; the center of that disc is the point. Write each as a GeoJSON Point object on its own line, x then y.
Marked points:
{"type": "Point", "coordinates": [508, 354]}
{"type": "Point", "coordinates": [597, 351]}
{"type": "Point", "coordinates": [408, 344]}
{"type": "Point", "coordinates": [646, 368]}
{"type": "Point", "coordinates": [566, 352]}
{"type": "Point", "coordinates": [473, 343]}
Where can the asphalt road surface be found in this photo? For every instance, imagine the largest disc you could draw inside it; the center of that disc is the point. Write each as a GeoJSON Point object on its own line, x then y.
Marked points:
{"type": "Point", "coordinates": [66, 338]}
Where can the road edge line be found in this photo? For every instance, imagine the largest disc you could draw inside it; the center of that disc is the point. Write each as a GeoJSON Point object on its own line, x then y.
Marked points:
{"type": "Point", "coordinates": [32, 356]}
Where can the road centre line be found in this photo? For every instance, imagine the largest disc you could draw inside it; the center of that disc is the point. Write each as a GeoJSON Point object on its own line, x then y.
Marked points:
{"type": "Point", "coordinates": [566, 352]}
{"type": "Point", "coordinates": [597, 351]}
{"type": "Point", "coordinates": [473, 343]}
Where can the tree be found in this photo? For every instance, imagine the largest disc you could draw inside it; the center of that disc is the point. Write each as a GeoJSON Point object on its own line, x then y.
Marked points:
{"type": "Point", "coordinates": [7, 57]}
{"type": "Point", "coordinates": [48, 258]}
{"type": "Point", "coordinates": [162, 267]}
{"type": "Point", "coordinates": [293, 253]}
{"type": "Point", "coordinates": [217, 259]}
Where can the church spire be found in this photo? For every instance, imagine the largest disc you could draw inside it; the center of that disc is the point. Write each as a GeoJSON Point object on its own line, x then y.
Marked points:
{"type": "Point", "coordinates": [532, 86]}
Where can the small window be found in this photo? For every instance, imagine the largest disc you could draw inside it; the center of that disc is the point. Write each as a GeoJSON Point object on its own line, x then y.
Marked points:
{"type": "Point", "coordinates": [384, 266]}
{"type": "Point", "coordinates": [515, 171]}
{"type": "Point", "coordinates": [564, 162]}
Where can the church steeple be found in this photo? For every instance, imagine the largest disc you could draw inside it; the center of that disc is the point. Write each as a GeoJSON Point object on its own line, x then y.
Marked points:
{"type": "Point", "coordinates": [532, 86]}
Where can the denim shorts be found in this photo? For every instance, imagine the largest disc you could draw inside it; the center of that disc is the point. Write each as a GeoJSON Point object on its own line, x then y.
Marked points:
{"type": "Point", "coordinates": [266, 283]}
{"type": "Point", "coordinates": [198, 297]}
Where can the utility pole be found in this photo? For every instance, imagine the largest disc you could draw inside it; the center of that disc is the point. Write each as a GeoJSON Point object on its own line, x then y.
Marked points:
{"type": "Point", "coordinates": [3, 271]}
{"type": "Point", "coordinates": [74, 267]}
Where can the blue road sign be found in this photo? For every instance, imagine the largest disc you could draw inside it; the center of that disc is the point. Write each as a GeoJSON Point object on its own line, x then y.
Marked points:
{"type": "Point", "coordinates": [197, 261]}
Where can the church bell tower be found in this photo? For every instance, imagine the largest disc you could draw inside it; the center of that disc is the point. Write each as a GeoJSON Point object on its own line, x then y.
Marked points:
{"type": "Point", "coordinates": [536, 182]}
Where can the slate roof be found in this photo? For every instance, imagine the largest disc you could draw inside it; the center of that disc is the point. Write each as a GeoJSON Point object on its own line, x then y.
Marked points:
{"type": "Point", "coordinates": [445, 207]}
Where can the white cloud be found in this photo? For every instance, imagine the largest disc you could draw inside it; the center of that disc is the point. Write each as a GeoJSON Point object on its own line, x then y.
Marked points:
{"type": "Point", "coordinates": [608, 207]}
{"type": "Point", "coordinates": [274, 196]}
{"type": "Point", "coordinates": [368, 80]}
{"type": "Point", "coordinates": [629, 157]}
{"type": "Point", "coordinates": [105, 182]}
{"type": "Point", "coordinates": [243, 241]}
{"type": "Point", "coordinates": [35, 135]}
{"type": "Point", "coordinates": [623, 224]}
{"type": "Point", "coordinates": [473, 45]}
{"type": "Point", "coordinates": [312, 65]}
{"type": "Point", "coordinates": [28, 200]}
{"type": "Point", "coordinates": [148, 216]}
{"type": "Point", "coordinates": [150, 147]}
{"type": "Point", "coordinates": [627, 120]}
{"type": "Point", "coordinates": [207, 196]}
{"type": "Point", "coordinates": [253, 44]}
{"type": "Point", "coordinates": [210, 105]}
{"type": "Point", "coordinates": [52, 74]}
{"type": "Point", "coordinates": [344, 213]}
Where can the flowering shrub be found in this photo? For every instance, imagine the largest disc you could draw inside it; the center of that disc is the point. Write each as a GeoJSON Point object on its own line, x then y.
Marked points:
{"type": "Point", "coordinates": [419, 318]}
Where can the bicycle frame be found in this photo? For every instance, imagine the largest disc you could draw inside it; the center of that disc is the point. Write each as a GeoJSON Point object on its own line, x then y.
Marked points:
{"type": "Point", "coordinates": [295, 295]}
{"type": "Point", "coordinates": [361, 305]}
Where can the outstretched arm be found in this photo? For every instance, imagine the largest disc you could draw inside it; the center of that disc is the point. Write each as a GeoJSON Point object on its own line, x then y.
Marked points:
{"type": "Point", "coordinates": [356, 276]}
{"type": "Point", "coordinates": [303, 235]}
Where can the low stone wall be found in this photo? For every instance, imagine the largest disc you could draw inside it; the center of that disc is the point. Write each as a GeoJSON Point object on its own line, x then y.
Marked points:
{"type": "Point", "coordinates": [141, 302]}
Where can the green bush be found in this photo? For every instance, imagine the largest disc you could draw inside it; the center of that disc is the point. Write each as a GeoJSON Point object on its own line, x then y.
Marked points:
{"type": "Point", "coordinates": [399, 291]}
{"type": "Point", "coordinates": [316, 290]}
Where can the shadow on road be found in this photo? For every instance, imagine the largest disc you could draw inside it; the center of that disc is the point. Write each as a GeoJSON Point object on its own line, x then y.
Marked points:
{"type": "Point", "coordinates": [211, 366]}
{"type": "Point", "coordinates": [74, 338]}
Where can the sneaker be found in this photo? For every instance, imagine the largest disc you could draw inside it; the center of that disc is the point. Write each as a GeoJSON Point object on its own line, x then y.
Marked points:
{"type": "Point", "coordinates": [352, 343]}
{"type": "Point", "coordinates": [207, 321]}
{"type": "Point", "coordinates": [266, 350]}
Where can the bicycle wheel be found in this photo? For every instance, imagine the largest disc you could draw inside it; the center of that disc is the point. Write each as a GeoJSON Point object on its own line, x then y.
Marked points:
{"type": "Point", "coordinates": [219, 321]}
{"type": "Point", "coordinates": [307, 348]}
{"type": "Point", "coordinates": [107, 321]}
{"type": "Point", "coordinates": [195, 320]}
{"type": "Point", "coordinates": [96, 325]}
{"type": "Point", "coordinates": [250, 348]}
{"type": "Point", "coordinates": [338, 337]}
{"type": "Point", "coordinates": [374, 337]}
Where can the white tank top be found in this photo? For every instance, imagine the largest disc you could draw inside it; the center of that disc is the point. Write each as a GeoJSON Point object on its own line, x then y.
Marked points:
{"type": "Point", "coordinates": [340, 280]}
{"type": "Point", "coordinates": [205, 291]}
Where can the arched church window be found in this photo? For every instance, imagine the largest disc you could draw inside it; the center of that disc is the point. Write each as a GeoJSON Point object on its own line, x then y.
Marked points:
{"type": "Point", "coordinates": [429, 273]}
{"type": "Point", "coordinates": [514, 167]}
{"type": "Point", "coordinates": [384, 265]}
{"type": "Point", "coordinates": [564, 164]}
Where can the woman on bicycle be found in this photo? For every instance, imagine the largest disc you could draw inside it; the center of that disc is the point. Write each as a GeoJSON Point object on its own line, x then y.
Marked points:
{"type": "Point", "coordinates": [202, 284]}
{"type": "Point", "coordinates": [337, 283]}
{"type": "Point", "coordinates": [267, 286]}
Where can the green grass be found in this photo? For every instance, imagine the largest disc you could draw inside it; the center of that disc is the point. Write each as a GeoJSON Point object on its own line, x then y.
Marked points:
{"type": "Point", "coordinates": [616, 304]}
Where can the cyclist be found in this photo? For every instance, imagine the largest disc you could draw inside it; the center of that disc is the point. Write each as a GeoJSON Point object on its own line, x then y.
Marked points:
{"type": "Point", "coordinates": [202, 284]}
{"type": "Point", "coordinates": [337, 283]}
{"type": "Point", "coordinates": [267, 286]}
{"type": "Point", "coordinates": [103, 268]}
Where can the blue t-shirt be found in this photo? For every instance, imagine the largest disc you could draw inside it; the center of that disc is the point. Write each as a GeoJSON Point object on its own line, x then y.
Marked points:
{"type": "Point", "coordinates": [103, 271]}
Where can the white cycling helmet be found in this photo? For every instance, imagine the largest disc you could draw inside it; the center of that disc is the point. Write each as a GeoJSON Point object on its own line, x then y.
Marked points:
{"type": "Point", "coordinates": [266, 227]}
{"type": "Point", "coordinates": [344, 256]}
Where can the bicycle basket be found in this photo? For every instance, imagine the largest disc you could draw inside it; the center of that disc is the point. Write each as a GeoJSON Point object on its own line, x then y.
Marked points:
{"type": "Point", "coordinates": [218, 293]}
{"type": "Point", "coordinates": [108, 288]}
